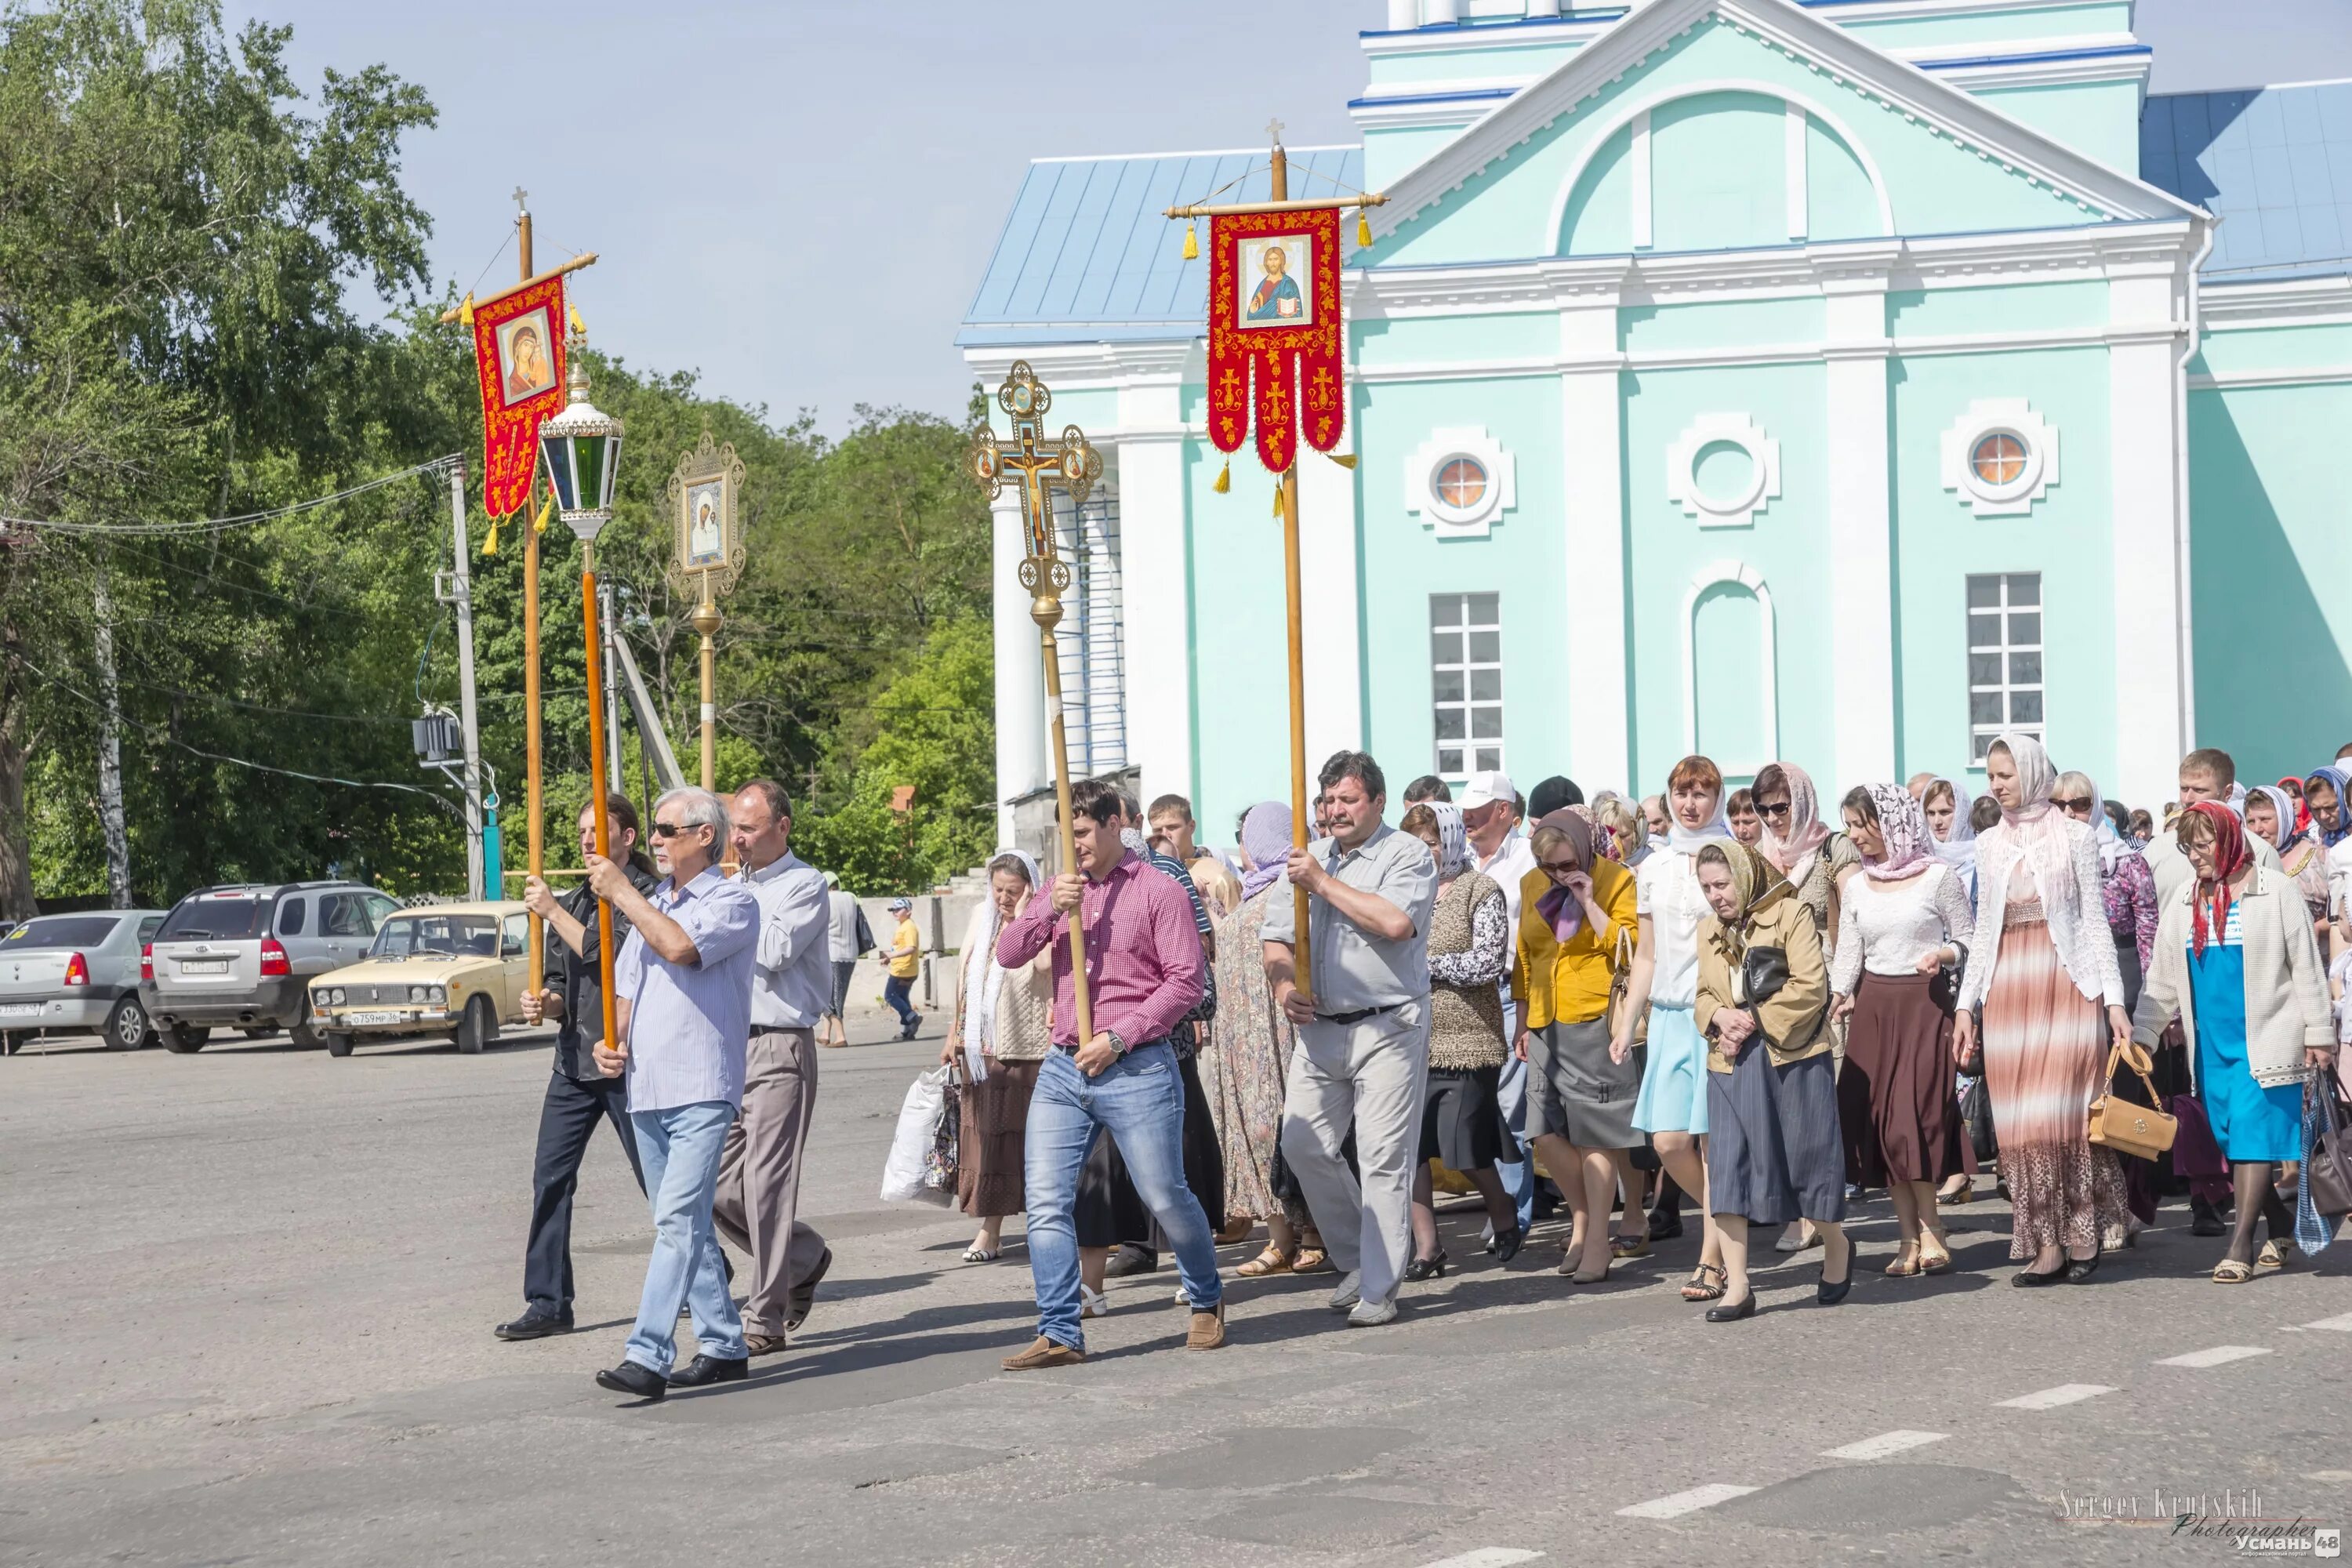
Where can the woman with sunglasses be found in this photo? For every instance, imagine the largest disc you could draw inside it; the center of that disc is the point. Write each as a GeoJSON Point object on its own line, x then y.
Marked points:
{"type": "Point", "coordinates": [1576, 915]}
{"type": "Point", "coordinates": [1907, 926]}
{"type": "Point", "coordinates": [2237, 963]}
{"type": "Point", "coordinates": [1672, 1104]}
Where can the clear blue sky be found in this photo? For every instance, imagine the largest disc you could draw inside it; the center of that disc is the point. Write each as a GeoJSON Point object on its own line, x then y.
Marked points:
{"type": "Point", "coordinates": [796, 198]}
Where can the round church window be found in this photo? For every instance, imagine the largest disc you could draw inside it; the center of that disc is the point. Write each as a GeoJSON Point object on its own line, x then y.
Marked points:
{"type": "Point", "coordinates": [1999, 461]}
{"type": "Point", "coordinates": [1462, 484]}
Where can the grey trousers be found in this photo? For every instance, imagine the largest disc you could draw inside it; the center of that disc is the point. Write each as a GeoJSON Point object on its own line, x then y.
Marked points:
{"type": "Point", "coordinates": [760, 1174]}
{"type": "Point", "coordinates": [1374, 1075]}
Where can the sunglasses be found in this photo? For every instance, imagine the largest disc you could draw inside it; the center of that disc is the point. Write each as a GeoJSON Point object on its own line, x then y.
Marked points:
{"type": "Point", "coordinates": [1780, 810]}
{"type": "Point", "coordinates": [1558, 868]}
{"type": "Point", "coordinates": [2080, 803]}
{"type": "Point", "coordinates": [670, 829]}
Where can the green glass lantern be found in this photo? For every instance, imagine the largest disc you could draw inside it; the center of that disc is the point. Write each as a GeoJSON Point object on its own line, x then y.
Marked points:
{"type": "Point", "coordinates": [581, 451]}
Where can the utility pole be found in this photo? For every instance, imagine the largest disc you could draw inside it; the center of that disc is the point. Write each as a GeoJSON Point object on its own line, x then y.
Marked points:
{"type": "Point", "coordinates": [110, 748]}
{"type": "Point", "coordinates": [461, 590]}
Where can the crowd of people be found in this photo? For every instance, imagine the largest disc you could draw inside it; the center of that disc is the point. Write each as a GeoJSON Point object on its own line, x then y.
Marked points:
{"type": "Point", "coordinates": [1729, 998]}
{"type": "Point", "coordinates": [1747, 1000]}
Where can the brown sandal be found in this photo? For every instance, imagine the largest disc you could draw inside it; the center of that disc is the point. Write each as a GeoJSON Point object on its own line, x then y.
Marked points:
{"type": "Point", "coordinates": [1272, 1260]}
{"type": "Point", "coordinates": [1697, 1289]}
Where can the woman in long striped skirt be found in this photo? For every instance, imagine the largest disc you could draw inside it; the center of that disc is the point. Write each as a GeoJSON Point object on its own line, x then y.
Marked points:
{"type": "Point", "coordinates": [2038, 980]}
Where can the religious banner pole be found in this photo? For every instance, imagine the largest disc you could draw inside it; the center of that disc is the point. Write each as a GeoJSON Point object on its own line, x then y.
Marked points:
{"type": "Point", "coordinates": [1291, 316]}
{"type": "Point", "coordinates": [533, 804]}
{"type": "Point", "coordinates": [1036, 465]}
{"type": "Point", "coordinates": [706, 556]}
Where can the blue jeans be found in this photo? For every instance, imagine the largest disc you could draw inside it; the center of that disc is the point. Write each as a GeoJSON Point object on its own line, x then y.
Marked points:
{"type": "Point", "coordinates": [895, 993]}
{"type": "Point", "coordinates": [679, 1149]}
{"type": "Point", "coordinates": [1140, 1098]}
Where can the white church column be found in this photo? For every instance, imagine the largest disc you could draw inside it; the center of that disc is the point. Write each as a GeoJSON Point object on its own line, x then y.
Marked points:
{"type": "Point", "coordinates": [1154, 546]}
{"type": "Point", "coordinates": [1594, 481]}
{"type": "Point", "coordinates": [1329, 593]}
{"type": "Point", "coordinates": [1861, 554]}
{"type": "Point", "coordinates": [1021, 761]}
{"type": "Point", "coordinates": [2153, 695]}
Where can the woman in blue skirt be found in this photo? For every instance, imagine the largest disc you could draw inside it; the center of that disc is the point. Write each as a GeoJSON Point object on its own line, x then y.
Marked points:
{"type": "Point", "coordinates": [1661, 988]}
{"type": "Point", "coordinates": [2235, 959]}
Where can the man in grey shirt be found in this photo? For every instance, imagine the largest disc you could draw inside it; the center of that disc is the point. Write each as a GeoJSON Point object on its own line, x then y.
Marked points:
{"type": "Point", "coordinates": [758, 1202]}
{"type": "Point", "coordinates": [1363, 1042]}
{"type": "Point", "coordinates": [845, 944]}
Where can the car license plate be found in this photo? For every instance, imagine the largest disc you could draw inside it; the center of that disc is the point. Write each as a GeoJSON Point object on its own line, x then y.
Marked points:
{"type": "Point", "coordinates": [20, 1010]}
{"type": "Point", "coordinates": [204, 966]}
{"type": "Point", "coordinates": [377, 1017]}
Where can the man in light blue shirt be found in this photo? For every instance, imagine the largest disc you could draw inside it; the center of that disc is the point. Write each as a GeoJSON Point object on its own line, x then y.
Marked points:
{"type": "Point", "coordinates": [760, 1174]}
{"type": "Point", "coordinates": [682, 983]}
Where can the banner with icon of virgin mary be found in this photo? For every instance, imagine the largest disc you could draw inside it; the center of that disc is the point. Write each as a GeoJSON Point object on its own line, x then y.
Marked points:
{"type": "Point", "coordinates": [519, 354]}
{"type": "Point", "coordinates": [1276, 357]}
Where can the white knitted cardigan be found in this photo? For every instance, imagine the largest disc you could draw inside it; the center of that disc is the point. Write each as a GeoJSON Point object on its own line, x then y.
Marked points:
{"type": "Point", "coordinates": [2086, 947]}
{"type": "Point", "coordinates": [2288, 1008]}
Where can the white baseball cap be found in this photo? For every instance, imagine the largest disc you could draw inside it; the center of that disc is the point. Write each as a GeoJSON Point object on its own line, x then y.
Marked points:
{"type": "Point", "coordinates": [1486, 789]}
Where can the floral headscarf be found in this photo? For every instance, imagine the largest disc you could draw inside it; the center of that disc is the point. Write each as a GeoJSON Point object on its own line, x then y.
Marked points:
{"type": "Point", "coordinates": [1793, 856]}
{"type": "Point", "coordinates": [1909, 846]}
{"type": "Point", "coordinates": [1453, 840]}
{"type": "Point", "coordinates": [1265, 840]}
{"type": "Point", "coordinates": [1756, 883]}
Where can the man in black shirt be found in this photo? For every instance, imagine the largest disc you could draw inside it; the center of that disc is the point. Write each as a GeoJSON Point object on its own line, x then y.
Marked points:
{"type": "Point", "coordinates": [578, 1095]}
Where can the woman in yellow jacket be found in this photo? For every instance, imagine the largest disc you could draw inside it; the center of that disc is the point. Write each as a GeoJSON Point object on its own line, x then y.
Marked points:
{"type": "Point", "coordinates": [1576, 931]}
{"type": "Point", "coordinates": [1775, 1152]}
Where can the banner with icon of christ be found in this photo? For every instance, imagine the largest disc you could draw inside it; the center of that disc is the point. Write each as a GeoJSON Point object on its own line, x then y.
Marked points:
{"type": "Point", "coordinates": [1276, 357]}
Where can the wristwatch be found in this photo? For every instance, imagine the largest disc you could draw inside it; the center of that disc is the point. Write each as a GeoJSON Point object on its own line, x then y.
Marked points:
{"type": "Point", "coordinates": [1117, 1044]}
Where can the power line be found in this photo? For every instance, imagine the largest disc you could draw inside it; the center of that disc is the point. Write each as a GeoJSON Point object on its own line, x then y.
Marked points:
{"type": "Point", "coordinates": [244, 520]}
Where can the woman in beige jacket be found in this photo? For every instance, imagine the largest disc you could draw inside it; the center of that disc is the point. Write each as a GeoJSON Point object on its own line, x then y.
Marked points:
{"type": "Point", "coordinates": [2237, 961]}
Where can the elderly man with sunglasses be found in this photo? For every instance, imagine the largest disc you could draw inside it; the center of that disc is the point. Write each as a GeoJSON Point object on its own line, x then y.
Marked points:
{"type": "Point", "coordinates": [682, 983]}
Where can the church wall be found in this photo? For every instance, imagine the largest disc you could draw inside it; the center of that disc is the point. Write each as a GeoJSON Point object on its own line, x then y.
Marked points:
{"type": "Point", "coordinates": [2099, 120]}
{"type": "Point", "coordinates": [2269, 554]}
{"type": "Point", "coordinates": [1786, 544]}
{"type": "Point", "coordinates": [1503, 335]}
{"type": "Point", "coordinates": [1999, 307]}
{"type": "Point", "coordinates": [1733, 324]}
{"type": "Point", "coordinates": [1395, 70]}
{"type": "Point", "coordinates": [1839, 201]}
{"type": "Point", "coordinates": [1718, 172]}
{"type": "Point", "coordinates": [1389, 152]}
{"type": "Point", "coordinates": [1938, 542]}
{"type": "Point", "coordinates": [1241, 719]}
{"type": "Point", "coordinates": [1993, 28]}
{"type": "Point", "coordinates": [2260, 349]}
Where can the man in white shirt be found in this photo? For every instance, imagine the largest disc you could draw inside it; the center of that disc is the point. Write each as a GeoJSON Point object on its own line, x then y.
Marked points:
{"type": "Point", "coordinates": [2205, 774]}
{"type": "Point", "coordinates": [760, 1171]}
{"type": "Point", "coordinates": [1490, 816]}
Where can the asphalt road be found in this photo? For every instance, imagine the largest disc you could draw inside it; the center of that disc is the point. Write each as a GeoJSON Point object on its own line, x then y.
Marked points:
{"type": "Point", "coordinates": [248, 1293]}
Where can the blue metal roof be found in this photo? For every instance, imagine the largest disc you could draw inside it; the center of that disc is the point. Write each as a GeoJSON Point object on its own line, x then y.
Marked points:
{"type": "Point", "coordinates": [2274, 164]}
{"type": "Point", "coordinates": [1086, 256]}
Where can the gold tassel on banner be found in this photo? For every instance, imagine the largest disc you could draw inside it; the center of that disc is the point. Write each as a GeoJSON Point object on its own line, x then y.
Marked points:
{"type": "Point", "coordinates": [1277, 496]}
{"type": "Point", "coordinates": [1192, 244]}
{"type": "Point", "coordinates": [466, 312]}
{"type": "Point", "coordinates": [546, 510]}
{"type": "Point", "coordinates": [490, 541]}
{"type": "Point", "coordinates": [1364, 230]}
{"type": "Point", "coordinates": [1345, 459]}
{"type": "Point", "coordinates": [1224, 479]}
{"type": "Point", "coordinates": [577, 324]}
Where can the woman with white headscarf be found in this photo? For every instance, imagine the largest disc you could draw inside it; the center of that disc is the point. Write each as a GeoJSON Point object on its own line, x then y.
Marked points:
{"type": "Point", "coordinates": [2042, 989]}
{"type": "Point", "coordinates": [1462, 1110]}
{"type": "Point", "coordinates": [2270, 816]}
{"type": "Point", "coordinates": [1947, 805]}
{"type": "Point", "coordinates": [1002, 1031]}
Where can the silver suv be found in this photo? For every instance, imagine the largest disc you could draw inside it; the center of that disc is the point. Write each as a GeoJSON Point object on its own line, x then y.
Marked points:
{"type": "Point", "coordinates": [242, 957]}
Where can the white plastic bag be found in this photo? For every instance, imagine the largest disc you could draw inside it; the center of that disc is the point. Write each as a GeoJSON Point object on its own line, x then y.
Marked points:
{"type": "Point", "coordinates": [910, 1146]}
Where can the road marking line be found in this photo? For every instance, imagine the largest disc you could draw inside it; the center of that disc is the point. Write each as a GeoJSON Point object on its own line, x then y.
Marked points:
{"type": "Point", "coordinates": [1886, 1443]}
{"type": "Point", "coordinates": [2218, 1356]}
{"type": "Point", "coordinates": [1681, 1503]}
{"type": "Point", "coordinates": [1489, 1557]}
{"type": "Point", "coordinates": [2050, 1398]}
{"type": "Point", "coordinates": [2342, 1325]}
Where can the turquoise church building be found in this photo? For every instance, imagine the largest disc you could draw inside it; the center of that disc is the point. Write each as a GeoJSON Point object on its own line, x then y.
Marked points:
{"type": "Point", "coordinates": [1842, 381]}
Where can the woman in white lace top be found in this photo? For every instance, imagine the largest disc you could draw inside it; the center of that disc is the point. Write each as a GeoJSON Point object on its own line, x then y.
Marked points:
{"type": "Point", "coordinates": [1904, 927]}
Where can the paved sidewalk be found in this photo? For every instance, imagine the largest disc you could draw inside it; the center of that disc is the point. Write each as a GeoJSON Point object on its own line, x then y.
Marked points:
{"type": "Point", "coordinates": [248, 1297]}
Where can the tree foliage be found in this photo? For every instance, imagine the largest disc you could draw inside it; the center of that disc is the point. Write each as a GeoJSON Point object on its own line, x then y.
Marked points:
{"type": "Point", "coordinates": [179, 223]}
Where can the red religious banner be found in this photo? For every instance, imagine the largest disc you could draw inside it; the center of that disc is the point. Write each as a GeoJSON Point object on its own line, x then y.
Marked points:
{"type": "Point", "coordinates": [1275, 352]}
{"type": "Point", "coordinates": [518, 352]}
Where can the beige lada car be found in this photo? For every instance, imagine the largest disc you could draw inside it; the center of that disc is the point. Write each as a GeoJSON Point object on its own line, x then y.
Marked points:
{"type": "Point", "coordinates": [453, 970]}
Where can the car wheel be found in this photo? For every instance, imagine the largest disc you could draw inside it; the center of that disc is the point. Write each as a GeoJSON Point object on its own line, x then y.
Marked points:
{"type": "Point", "coordinates": [338, 1045]}
{"type": "Point", "coordinates": [127, 1028]}
{"type": "Point", "coordinates": [304, 1035]}
{"type": "Point", "coordinates": [478, 1028]}
{"type": "Point", "coordinates": [185, 1037]}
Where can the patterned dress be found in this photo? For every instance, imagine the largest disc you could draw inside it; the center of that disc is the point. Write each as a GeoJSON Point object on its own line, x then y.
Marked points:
{"type": "Point", "coordinates": [1245, 1056]}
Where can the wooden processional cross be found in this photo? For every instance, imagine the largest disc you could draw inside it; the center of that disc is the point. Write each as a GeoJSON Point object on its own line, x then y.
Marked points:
{"type": "Point", "coordinates": [1038, 465]}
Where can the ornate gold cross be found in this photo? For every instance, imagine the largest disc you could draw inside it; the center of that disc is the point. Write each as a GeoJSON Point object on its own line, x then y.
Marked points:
{"type": "Point", "coordinates": [1036, 465]}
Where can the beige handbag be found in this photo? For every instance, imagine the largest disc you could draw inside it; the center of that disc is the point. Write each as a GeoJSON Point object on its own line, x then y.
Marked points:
{"type": "Point", "coordinates": [1621, 981]}
{"type": "Point", "coordinates": [2127, 1128]}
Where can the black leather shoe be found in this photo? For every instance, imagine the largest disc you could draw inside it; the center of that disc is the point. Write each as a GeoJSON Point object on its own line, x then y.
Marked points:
{"type": "Point", "coordinates": [637, 1381]}
{"type": "Point", "coordinates": [805, 1294]}
{"type": "Point", "coordinates": [1830, 1295]}
{"type": "Point", "coordinates": [1507, 1246]}
{"type": "Point", "coordinates": [2081, 1269]}
{"type": "Point", "coordinates": [2029, 1279]}
{"type": "Point", "coordinates": [536, 1323]}
{"type": "Point", "coordinates": [1130, 1259]}
{"type": "Point", "coordinates": [707, 1369]}
{"type": "Point", "coordinates": [1430, 1268]}
{"type": "Point", "coordinates": [1746, 1309]}
{"type": "Point", "coordinates": [1665, 1223]}
{"type": "Point", "coordinates": [2206, 1219]}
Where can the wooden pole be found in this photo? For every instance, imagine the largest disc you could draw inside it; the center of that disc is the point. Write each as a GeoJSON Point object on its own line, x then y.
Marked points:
{"type": "Point", "coordinates": [1301, 825]}
{"type": "Point", "coordinates": [706, 622]}
{"type": "Point", "coordinates": [1046, 611]}
{"type": "Point", "coordinates": [597, 784]}
{"type": "Point", "coordinates": [534, 806]}
{"type": "Point", "coordinates": [575, 264]}
{"type": "Point", "coordinates": [1237, 209]}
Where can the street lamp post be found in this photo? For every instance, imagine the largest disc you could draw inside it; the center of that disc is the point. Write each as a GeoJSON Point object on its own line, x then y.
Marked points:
{"type": "Point", "coordinates": [580, 450]}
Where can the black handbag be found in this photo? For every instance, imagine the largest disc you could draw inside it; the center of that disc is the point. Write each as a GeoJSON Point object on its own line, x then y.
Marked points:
{"type": "Point", "coordinates": [1763, 971]}
{"type": "Point", "coordinates": [2327, 1166]}
{"type": "Point", "coordinates": [1976, 1111]}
